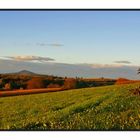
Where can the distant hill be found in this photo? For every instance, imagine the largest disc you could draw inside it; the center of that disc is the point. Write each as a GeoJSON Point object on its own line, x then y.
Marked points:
{"type": "Point", "coordinates": [71, 70]}
{"type": "Point", "coordinates": [26, 72]}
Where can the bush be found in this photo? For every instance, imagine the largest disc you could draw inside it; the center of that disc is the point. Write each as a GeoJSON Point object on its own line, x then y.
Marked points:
{"type": "Point", "coordinates": [135, 91]}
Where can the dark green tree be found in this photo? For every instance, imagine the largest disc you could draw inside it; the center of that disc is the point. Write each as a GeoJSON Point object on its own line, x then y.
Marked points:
{"type": "Point", "coordinates": [139, 71]}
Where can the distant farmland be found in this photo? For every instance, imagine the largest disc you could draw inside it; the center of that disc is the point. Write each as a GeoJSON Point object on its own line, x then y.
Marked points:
{"type": "Point", "coordinates": [100, 108]}
{"type": "Point", "coordinates": [27, 92]}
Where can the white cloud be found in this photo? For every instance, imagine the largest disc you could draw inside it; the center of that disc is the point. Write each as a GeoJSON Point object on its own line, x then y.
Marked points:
{"type": "Point", "coordinates": [123, 62]}
{"type": "Point", "coordinates": [50, 44]}
{"type": "Point", "coordinates": [96, 65]}
{"type": "Point", "coordinates": [29, 58]}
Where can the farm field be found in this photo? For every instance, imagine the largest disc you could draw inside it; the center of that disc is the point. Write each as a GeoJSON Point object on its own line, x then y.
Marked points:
{"type": "Point", "coordinates": [27, 92]}
{"type": "Point", "coordinates": [100, 108]}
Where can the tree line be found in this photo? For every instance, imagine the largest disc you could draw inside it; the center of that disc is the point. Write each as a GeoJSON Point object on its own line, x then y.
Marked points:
{"type": "Point", "coordinates": [12, 82]}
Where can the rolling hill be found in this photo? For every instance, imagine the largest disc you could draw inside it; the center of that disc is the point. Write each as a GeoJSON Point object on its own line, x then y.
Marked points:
{"type": "Point", "coordinates": [25, 72]}
{"type": "Point", "coordinates": [100, 108]}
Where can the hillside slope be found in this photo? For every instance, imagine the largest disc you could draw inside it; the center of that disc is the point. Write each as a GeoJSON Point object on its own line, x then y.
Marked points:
{"type": "Point", "coordinates": [100, 108]}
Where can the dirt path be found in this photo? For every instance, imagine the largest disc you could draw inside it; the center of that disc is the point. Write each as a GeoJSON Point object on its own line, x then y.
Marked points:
{"type": "Point", "coordinates": [27, 92]}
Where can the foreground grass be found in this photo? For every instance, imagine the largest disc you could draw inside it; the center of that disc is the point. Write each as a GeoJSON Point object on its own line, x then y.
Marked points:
{"type": "Point", "coordinates": [100, 108]}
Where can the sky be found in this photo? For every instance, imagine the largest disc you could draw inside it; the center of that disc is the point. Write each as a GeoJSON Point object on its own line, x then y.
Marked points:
{"type": "Point", "coordinates": [100, 38]}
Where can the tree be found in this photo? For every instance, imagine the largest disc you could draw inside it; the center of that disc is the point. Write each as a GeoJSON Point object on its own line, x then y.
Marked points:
{"type": "Point", "coordinates": [139, 71]}
{"type": "Point", "coordinates": [1, 83]}
{"type": "Point", "coordinates": [81, 84]}
{"type": "Point", "coordinates": [53, 86]}
{"type": "Point", "coordinates": [7, 86]}
{"type": "Point", "coordinates": [70, 83]}
{"type": "Point", "coordinates": [14, 85]}
{"type": "Point", "coordinates": [35, 83]}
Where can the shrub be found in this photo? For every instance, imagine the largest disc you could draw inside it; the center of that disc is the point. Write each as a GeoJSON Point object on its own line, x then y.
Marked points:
{"type": "Point", "coordinates": [135, 91]}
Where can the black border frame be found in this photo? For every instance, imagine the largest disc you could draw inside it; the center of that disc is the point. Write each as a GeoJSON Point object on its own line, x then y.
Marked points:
{"type": "Point", "coordinates": [69, 9]}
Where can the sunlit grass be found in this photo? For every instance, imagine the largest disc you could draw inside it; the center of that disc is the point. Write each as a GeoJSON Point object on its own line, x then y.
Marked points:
{"type": "Point", "coordinates": [100, 108]}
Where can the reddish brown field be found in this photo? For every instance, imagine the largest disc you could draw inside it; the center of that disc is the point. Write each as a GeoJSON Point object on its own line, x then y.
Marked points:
{"type": "Point", "coordinates": [27, 92]}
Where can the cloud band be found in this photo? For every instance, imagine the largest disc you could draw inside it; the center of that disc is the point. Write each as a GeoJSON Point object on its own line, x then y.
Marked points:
{"type": "Point", "coordinates": [29, 58]}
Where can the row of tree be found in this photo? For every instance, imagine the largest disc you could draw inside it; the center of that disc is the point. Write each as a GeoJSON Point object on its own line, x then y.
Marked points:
{"type": "Point", "coordinates": [35, 82]}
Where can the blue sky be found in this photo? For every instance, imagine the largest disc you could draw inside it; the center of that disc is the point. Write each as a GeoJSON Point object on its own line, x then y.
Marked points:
{"type": "Point", "coordinates": [95, 37]}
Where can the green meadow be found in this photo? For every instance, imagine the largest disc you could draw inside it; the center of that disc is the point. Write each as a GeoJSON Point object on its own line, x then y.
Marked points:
{"type": "Point", "coordinates": [98, 108]}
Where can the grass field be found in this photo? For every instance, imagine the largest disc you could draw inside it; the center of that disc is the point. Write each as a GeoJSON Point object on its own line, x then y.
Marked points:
{"type": "Point", "coordinates": [101, 108]}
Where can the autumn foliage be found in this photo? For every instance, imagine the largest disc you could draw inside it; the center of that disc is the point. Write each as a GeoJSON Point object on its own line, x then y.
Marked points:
{"type": "Point", "coordinates": [70, 83]}
{"type": "Point", "coordinates": [17, 81]}
{"type": "Point", "coordinates": [53, 86]}
{"type": "Point", "coordinates": [35, 83]}
{"type": "Point", "coordinates": [125, 81]}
